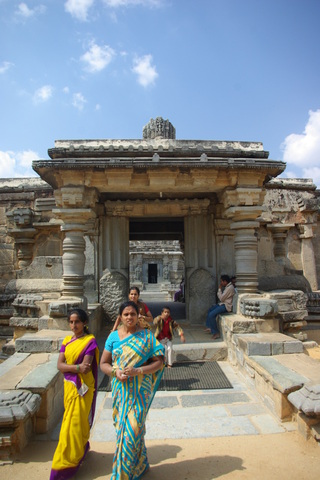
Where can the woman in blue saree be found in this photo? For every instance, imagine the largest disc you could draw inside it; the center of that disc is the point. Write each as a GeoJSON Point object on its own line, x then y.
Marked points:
{"type": "Point", "coordinates": [78, 361]}
{"type": "Point", "coordinates": [134, 359]}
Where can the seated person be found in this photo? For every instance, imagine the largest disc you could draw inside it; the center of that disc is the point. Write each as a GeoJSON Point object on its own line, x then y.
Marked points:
{"type": "Point", "coordinates": [225, 294]}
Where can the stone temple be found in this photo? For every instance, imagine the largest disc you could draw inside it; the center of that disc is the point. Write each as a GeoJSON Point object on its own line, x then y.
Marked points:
{"type": "Point", "coordinates": [107, 213]}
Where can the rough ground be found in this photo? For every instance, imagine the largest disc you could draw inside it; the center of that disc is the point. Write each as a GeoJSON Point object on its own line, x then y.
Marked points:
{"type": "Point", "coordinates": [262, 457]}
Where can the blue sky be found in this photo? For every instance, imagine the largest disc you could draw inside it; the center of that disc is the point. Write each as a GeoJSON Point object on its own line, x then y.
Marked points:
{"type": "Point", "coordinates": [245, 70]}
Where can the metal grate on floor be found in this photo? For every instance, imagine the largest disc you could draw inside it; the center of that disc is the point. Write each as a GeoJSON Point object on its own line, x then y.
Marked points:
{"type": "Point", "coordinates": [186, 376]}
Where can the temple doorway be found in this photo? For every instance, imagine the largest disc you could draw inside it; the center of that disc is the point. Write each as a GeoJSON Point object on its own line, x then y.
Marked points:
{"type": "Point", "coordinates": [152, 273]}
{"type": "Point", "coordinates": [156, 256]}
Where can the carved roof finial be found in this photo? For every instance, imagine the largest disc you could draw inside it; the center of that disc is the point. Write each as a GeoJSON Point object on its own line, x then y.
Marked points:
{"type": "Point", "coordinates": [159, 128]}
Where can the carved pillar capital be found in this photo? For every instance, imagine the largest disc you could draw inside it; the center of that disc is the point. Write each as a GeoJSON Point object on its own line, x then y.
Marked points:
{"type": "Point", "coordinates": [243, 197]}
{"type": "Point", "coordinates": [76, 197]}
{"type": "Point", "coordinates": [21, 229]}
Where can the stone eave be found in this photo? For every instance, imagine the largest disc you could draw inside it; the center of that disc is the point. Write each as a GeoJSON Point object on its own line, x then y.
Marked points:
{"type": "Point", "coordinates": [291, 184]}
{"type": "Point", "coordinates": [24, 184]}
{"type": "Point", "coordinates": [95, 173]}
{"type": "Point", "coordinates": [164, 147]}
{"type": "Point", "coordinates": [40, 166]}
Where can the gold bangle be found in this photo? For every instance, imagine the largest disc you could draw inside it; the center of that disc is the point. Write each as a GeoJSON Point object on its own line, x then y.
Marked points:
{"type": "Point", "coordinates": [141, 371]}
{"type": "Point", "coordinates": [113, 372]}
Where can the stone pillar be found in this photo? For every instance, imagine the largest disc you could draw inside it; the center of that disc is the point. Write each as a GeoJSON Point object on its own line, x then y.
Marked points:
{"type": "Point", "coordinates": [76, 214]}
{"type": "Point", "coordinates": [114, 247]}
{"type": "Point", "coordinates": [244, 206]}
{"type": "Point", "coordinates": [307, 255]}
{"type": "Point", "coordinates": [200, 261]}
{"type": "Point", "coordinates": [246, 256]}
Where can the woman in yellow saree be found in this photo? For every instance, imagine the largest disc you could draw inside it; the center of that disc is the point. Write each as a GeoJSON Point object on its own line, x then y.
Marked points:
{"type": "Point", "coordinates": [134, 359]}
{"type": "Point", "coordinates": [78, 361]}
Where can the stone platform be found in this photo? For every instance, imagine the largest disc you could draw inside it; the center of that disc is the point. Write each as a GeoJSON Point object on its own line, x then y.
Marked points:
{"type": "Point", "coordinates": [268, 377]}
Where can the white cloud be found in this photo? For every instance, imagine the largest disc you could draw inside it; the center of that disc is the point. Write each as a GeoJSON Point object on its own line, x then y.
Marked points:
{"type": "Point", "coordinates": [303, 150]}
{"type": "Point", "coordinates": [78, 8]}
{"type": "Point", "coordinates": [43, 94]}
{"type": "Point", "coordinates": [300, 149]}
{"type": "Point", "coordinates": [24, 11]}
{"type": "Point", "coordinates": [147, 73]}
{"type": "Point", "coordinates": [7, 164]}
{"type": "Point", "coordinates": [5, 66]}
{"type": "Point", "coordinates": [26, 157]}
{"type": "Point", "coordinates": [78, 101]}
{"type": "Point", "coordinates": [314, 173]}
{"type": "Point", "coordinates": [127, 3]}
{"type": "Point", "coordinates": [17, 164]}
{"type": "Point", "coordinates": [97, 58]}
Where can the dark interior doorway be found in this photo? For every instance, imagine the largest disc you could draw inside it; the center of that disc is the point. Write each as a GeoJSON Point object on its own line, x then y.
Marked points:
{"type": "Point", "coordinates": [152, 273]}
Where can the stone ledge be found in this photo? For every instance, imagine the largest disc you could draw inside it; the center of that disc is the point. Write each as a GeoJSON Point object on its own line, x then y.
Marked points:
{"type": "Point", "coordinates": [282, 378]}
{"type": "Point", "coordinates": [12, 361]}
{"type": "Point", "coordinates": [42, 376]}
{"type": "Point", "coordinates": [238, 324]}
{"type": "Point", "coordinates": [267, 344]}
{"type": "Point", "coordinates": [14, 370]}
{"type": "Point", "coordinates": [42, 341]}
{"type": "Point", "coordinates": [200, 351]}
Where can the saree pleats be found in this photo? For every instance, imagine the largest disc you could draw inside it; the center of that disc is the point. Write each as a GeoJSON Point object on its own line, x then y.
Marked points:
{"type": "Point", "coordinates": [78, 411]}
{"type": "Point", "coordinates": [131, 402]}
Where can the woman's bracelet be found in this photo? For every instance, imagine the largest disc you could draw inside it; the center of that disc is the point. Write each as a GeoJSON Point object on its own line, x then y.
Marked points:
{"type": "Point", "coordinates": [78, 368]}
{"type": "Point", "coordinates": [140, 370]}
{"type": "Point", "coordinates": [113, 372]}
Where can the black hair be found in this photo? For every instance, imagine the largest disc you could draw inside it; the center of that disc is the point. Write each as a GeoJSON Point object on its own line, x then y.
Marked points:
{"type": "Point", "coordinates": [135, 288]}
{"type": "Point", "coordinates": [129, 303]}
{"type": "Point", "coordinates": [82, 315]}
{"type": "Point", "coordinates": [165, 308]}
{"type": "Point", "coordinates": [225, 278]}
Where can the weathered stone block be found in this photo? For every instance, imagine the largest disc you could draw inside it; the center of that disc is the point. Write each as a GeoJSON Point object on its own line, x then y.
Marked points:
{"type": "Point", "coordinates": [258, 306]}
{"type": "Point", "coordinates": [15, 405]}
{"type": "Point", "coordinates": [307, 399]}
{"type": "Point", "coordinates": [293, 347]}
{"type": "Point", "coordinates": [29, 323]}
{"type": "Point", "coordinates": [292, 316]}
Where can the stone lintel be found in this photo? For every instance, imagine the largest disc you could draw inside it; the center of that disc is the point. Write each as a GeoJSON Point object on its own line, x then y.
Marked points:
{"type": "Point", "coordinates": [177, 208]}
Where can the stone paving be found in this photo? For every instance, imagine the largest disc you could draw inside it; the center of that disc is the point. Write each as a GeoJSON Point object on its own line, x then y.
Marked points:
{"type": "Point", "coordinates": [197, 414]}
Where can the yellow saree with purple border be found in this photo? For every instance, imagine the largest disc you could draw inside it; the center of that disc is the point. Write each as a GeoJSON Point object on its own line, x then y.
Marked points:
{"type": "Point", "coordinates": [131, 402]}
{"type": "Point", "coordinates": [79, 406]}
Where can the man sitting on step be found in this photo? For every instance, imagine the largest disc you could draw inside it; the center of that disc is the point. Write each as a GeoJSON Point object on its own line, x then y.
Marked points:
{"type": "Point", "coordinates": [225, 294]}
